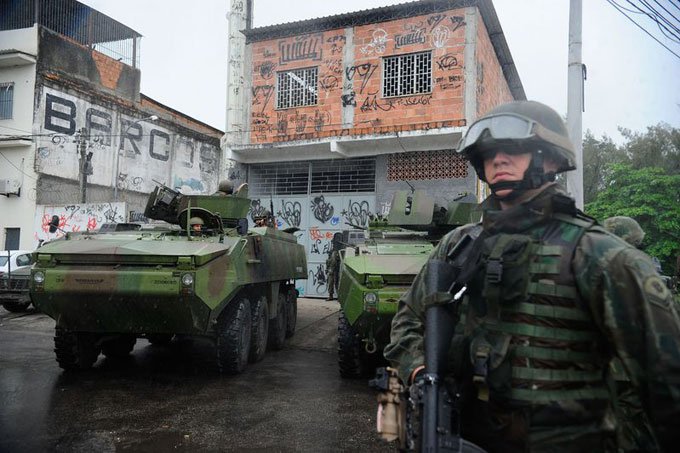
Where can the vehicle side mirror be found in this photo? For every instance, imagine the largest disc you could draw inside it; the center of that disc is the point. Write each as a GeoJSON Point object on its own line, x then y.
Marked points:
{"type": "Point", "coordinates": [54, 224]}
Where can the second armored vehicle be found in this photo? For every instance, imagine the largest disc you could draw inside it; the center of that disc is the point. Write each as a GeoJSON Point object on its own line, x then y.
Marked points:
{"type": "Point", "coordinates": [379, 265]}
{"type": "Point", "coordinates": [205, 276]}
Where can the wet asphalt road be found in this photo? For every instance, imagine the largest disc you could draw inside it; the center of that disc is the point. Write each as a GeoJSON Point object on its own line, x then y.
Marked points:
{"type": "Point", "coordinates": [164, 399]}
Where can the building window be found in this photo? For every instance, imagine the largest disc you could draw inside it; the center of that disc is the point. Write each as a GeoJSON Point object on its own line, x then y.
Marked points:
{"type": "Point", "coordinates": [426, 165]}
{"type": "Point", "coordinates": [319, 176]}
{"type": "Point", "coordinates": [343, 175]}
{"type": "Point", "coordinates": [296, 88]}
{"type": "Point", "coordinates": [405, 75]}
{"type": "Point", "coordinates": [6, 100]}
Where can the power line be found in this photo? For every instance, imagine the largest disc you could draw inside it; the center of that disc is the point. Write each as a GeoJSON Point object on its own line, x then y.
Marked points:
{"type": "Point", "coordinates": [664, 8]}
{"type": "Point", "coordinates": [619, 9]}
{"type": "Point", "coordinates": [17, 168]}
{"type": "Point", "coordinates": [677, 6]}
{"type": "Point", "coordinates": [655, 17]}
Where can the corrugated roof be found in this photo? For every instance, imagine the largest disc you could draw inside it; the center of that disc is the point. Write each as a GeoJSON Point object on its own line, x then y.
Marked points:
{"type": "Point", "coordinates": [400, 11]}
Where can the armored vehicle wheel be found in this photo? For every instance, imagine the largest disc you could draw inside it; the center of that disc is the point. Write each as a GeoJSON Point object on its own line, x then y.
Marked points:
{"type": "Point", "coordinates": [349, 350]}
{"type": "Point", "coordinates": [75, 350]}
{"type": "Point", "coordinates": [291, 318]}
{"type": "Point", "coordinates": [277, 326]}
{"type": "Point", "coordinates": [160, 339]}
{"type": "Point", "coordinates": [16, 307]}
{"type": "Point", "coordinates": [119, 347]}
{"type": "Point", "coordinates": [233, 337]}
{"type": "Point", "coordinates": [260, 330]}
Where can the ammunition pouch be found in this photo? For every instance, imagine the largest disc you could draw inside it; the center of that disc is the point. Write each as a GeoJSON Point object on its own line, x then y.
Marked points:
{"type": "Point", "coordinates": [507, 276]}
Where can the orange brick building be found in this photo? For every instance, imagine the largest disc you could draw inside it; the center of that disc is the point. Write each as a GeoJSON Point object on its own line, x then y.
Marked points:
{"type": "Point", "coordinates": [340, 111]}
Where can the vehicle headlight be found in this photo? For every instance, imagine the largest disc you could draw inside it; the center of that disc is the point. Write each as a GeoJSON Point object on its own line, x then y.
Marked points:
{"type": "Point", "coordinates": [370, 298]}
{"type": "Point", "coordinates": [39, 277]}
{"type": "Point", "coordinates": [187, 279]}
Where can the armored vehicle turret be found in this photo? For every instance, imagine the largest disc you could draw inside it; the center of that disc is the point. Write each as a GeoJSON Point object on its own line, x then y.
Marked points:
{"type": "Point", "coordinates": [203, 274]}
{"type": "Point", "coordinates": [378, 265]}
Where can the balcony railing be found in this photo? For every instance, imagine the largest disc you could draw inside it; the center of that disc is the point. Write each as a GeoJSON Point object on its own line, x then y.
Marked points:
{"type": "Point", "coordinates": [77, 21]}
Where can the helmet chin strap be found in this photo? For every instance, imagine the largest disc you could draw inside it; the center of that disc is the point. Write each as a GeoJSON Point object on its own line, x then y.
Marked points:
{"type": "Point", "coordinates": [534, 177]}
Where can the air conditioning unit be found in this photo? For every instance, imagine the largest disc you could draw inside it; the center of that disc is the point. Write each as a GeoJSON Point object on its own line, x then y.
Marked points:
{"type": "Point", "coordinates": [9, 187]}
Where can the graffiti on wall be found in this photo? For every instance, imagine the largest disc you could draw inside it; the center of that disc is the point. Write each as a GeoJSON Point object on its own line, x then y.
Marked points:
{"type": "Point", "coordinates": [321, 209]}
{"type": "Point", "coordinates": [373, 102]}
{"type": "Point", "coordinates": [317, 279]}
{"type": "Point", "coordinates": [377, 44]}
{"type": "Point", "coordinates": [440, 36]}
{"type": "Point", "coordinates": [413, 34]}
{"type": "Point", "coordinates": [290, 213]}
{"type": "Point", "coordinates": [358, 212]}
{"type": "Point", "coordinates": [141, 151]}
{"type": "Point", "coordinates": [303, 47]}
{"type": "Point", "coordinates": [76, 218]}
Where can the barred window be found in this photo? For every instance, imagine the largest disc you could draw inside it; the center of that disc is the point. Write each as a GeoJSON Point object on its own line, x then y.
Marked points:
{"type": "Point", "coordinates": [6, 100]}
{"type": "Point", "coordinates": [426, 165]}
{"type": "Point", "coordinates": [296, 88]}
{"type": "Point", "coordinates": [343, 175]}
{"type": "Point", "coordinates": [408, 74]}
{"type": "Point", "coordinates": [319, 176]}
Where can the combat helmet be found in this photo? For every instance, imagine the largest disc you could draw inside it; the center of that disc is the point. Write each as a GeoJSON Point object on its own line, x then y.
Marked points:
{"type": "Point", "coordinates": [196, 221]}
{"type": "Point", "coordinates": [519, 127]}
{"type": "Point", "coordinates": [626, 228]}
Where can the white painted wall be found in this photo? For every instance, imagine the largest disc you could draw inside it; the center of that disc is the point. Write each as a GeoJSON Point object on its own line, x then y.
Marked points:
{"type": "Point", "coordinates": [23, 39]}
{"type": "Point", "coordinates": [16, 162]}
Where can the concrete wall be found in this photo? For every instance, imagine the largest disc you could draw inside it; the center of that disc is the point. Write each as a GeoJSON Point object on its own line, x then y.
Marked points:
{"type": "Point", "coordinates": [23, 39]}
{"type": "Point", "coordinates": [126, 151]}
{"type": "Point", "coordinates": [61, 55]}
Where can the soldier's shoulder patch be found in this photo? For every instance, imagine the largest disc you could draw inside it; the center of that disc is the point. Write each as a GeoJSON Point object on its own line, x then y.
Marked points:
{"type": "Point", "coordinates": [656, 291]}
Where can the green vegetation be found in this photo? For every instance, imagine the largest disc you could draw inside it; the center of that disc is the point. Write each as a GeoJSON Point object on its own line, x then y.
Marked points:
{"type": "Point", "coordinates": [639, 179]}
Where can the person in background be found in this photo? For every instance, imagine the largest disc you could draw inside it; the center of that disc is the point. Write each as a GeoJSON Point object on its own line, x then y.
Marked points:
{"type": "Point", "coordinates": [332, 268]}
{"type": "Point", "coordinates": [196, 224]}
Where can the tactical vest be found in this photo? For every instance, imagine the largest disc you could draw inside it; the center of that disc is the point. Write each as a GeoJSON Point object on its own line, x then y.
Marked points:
{"type": "Point", "coordinates": [532, 339]}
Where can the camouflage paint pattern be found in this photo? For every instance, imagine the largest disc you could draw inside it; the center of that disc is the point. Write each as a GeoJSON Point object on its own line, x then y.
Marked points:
{"type": "Point", "coordinates": [386, 264]}
{"type": "Point", "coordinates": [636, 321]}
{"type": "Point", "coordinates": [132, 282]}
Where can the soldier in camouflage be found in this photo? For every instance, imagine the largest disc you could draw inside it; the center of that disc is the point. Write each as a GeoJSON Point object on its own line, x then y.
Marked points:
{"type": "Point", "coordinates": [551, 298]}
{"type": "Point", "coordinates": [626, 228]}
{"type": "Point", "coordinates": [332, 270]}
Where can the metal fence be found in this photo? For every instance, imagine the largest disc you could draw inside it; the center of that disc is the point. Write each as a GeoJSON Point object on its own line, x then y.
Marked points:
{"type": "Point", "coordinates": [76, 21]}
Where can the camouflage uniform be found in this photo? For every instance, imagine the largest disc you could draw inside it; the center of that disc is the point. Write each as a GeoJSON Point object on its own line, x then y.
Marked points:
{"type": "Point", "coordinates": [332, 265]}
{"type": "Point", "coordinates": [633, 429]}
{"type": "Point", "coordinates": [626, 228]}
{"type": "Point", "coordinates": [620, 307]}
{"type": "Point", "coordinates": [551, 299]}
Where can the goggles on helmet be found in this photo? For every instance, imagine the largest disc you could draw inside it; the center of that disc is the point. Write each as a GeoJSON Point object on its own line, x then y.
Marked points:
{"type": "Point", "coordinates": [509, 126]}
{"type": "Point", "coordinates": [500, 127]}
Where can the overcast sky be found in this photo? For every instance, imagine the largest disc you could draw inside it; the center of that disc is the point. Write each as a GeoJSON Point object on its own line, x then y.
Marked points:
{"type": "Point", "coordinates": [632, 82]}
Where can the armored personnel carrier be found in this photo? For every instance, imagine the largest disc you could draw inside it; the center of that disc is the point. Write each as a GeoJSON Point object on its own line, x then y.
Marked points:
{"type": "Point", "coordinates": [378, 265]}
{"type": "Point", "coordinates": [202, 275]}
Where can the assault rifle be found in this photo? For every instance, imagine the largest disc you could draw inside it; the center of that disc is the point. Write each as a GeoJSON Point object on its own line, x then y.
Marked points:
{"type": "Point", "coordinates": [431, 420]}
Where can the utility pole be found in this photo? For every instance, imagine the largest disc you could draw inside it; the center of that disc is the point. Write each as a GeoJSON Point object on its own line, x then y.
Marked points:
{"type": "Point", "coordinates": [575, 99]}
{"type": "Point", "coordinates": [82, 148]}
